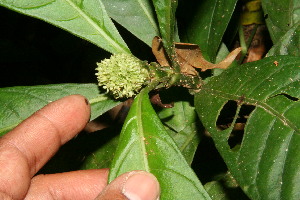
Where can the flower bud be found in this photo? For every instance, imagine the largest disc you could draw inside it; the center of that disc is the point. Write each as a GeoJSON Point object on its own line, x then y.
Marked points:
{"type": "Point", "coordinates": [123, 75]}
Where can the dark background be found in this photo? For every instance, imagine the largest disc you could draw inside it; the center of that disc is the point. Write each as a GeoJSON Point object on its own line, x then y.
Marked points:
{"type": "Point", "coordinates": [33, 52]}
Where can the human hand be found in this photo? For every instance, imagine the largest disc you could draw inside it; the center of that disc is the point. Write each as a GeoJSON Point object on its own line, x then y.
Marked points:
{"type": "Point", "coordinates": [25, 149]}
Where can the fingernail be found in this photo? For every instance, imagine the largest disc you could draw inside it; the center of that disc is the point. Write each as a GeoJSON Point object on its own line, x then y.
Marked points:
{"type": "Point", "coordinates": [141, 186]}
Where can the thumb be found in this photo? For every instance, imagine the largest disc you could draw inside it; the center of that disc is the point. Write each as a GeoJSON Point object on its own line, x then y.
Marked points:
{"type": "Point", "coordinates": [134, 185]}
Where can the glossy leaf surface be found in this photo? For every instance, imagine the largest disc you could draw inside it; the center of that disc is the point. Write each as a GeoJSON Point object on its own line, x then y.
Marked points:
{"type": "Point", "coordinates": [145, 145]}
{"type": "Point", "coordinates": [207, 26]}
{"type": "Point", "coordinates": [86, 19]}
{"type": "Point", "coordinates": [266, 162]}
{"type": "Point", "coordinates": [281, 15]}
{"type": "Point", "coordinates": [18, 103]}
{"type": "Point", "coordinates": [137, 16]}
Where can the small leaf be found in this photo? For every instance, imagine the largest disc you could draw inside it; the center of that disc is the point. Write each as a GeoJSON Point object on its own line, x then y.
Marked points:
{"type": "Point", "coordinates": [18, 103]}
{"type": "Point", "coordinates": [137, 16]}
{"type": "Point", "coordinates": [181, 123]}
{"type": "Point", "coordinates": [280, 16]}
{"type": "Point", "coordinates": [265, 160]}
{"type": "Point", "coordinates": [86, 19]}
{"type": "Point", "coordinates": [289, 43]}
{"type": "Point", "coordinates": [145, 145]}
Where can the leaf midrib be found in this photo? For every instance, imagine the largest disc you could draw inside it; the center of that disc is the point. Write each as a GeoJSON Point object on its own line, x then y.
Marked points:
{"type": "Point", "coordinates": [96, 27]}
{"type": "Point", "coordinates": [141, 132]}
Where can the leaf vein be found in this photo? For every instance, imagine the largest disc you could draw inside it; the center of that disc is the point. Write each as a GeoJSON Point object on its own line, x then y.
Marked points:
{"type": "Point", "coordinates": [149, 16]}
{"type": "Point", "coordinates": [95, 25]}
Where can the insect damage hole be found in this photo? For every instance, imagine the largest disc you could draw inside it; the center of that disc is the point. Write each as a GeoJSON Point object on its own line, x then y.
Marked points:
{"type": "Point", "coordinates": [292, 98]}
{"type": "Point", "coordinates": [236, 136]}
{"type": "Point", "coordinates": [227, 117]}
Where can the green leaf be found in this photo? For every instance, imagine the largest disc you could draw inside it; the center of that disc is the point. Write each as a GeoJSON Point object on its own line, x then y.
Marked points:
{"type": "Point", "coordinates": [86, 19]}
{"type": "Point", "coordinates": [137, 16]}
{"type": "Point", "coordinates": [18, 103]}
{"type": "Point", "coordinates": [207, 26]}
{"type": "Point", "coordinates": [181, 123]}
{"type": "Point", "coordinates": [289, 43]}
{"type": "Point", "coordinates": [165, 11]}
{"type": "Point", "coordinates": [281, 16]}
{"type": "Point", "coordinates": [145, 145]}
{"type": "Point", "coordinates": [265, 162]}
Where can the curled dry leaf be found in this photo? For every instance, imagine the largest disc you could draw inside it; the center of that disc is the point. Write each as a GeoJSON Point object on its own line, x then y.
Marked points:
{"type": "Point", "coordinates": [189, 57]}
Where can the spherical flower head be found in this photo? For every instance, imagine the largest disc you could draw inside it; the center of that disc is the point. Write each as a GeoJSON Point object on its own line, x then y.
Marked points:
{"type": "Point", "coordinates": [123, 75]}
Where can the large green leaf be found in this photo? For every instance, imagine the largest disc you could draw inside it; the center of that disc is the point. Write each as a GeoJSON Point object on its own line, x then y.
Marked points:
{"type": "Point", "coordinates": [208, 24]}
{"type": "Point", "coordinates": [181, 123]}
{"type": "Point", "coordinates": [165, 11]}
{"type": "Point", "coordinates": [281, 16]}
{"type": "Point", "coordinates": [289, 43]}
{"type": "Point", "coordinates": [137, 16]}
{"type": "Point", "coordinates": [86, 19]}
{"type": "Point", "coordinates": [145, 145]}
{"type": "Point", "coordinates": [18, 103]}
{"type": "Point", "coordinates": [266, 162]}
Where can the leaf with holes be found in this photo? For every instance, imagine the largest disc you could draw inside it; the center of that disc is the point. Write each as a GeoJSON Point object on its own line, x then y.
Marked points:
{"type": "Point", "coordinates": [145, 145]}
{"type": "Point", "coordinates": [260, 140]}
{"type": "Point", "coordinates": [86, 19]}
{"type": "Point", "coordinates": [18, 103]}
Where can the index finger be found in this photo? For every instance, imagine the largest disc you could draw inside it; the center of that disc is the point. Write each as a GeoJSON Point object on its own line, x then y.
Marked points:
{"type": "Point", "coordinates": [25, 149]}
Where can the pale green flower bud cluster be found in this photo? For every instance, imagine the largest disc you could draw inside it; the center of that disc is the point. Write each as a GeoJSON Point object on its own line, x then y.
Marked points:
{"type": "Point", "coordinates": [123, 75]}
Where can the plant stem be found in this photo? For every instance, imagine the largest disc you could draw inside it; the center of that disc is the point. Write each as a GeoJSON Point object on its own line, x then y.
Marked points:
{"type": "Point", "coordinates": [245, 45]}
{"type": "Point", "coordinates": [242, 43]}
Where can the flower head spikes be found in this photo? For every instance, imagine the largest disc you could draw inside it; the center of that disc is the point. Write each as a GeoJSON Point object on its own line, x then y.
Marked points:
{"type": "Point", "coordinates": [123, 75]}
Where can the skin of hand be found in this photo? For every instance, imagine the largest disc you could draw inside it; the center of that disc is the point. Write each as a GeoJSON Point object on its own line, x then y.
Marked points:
{"type": "Point", "coordinates": [25, 149]}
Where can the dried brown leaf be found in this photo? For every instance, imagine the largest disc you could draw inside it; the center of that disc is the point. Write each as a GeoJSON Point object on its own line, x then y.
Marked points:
{"type": "Point", "coordinates": [192, 54]}
{"type": "Point", "coordinates": [189, 57]}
